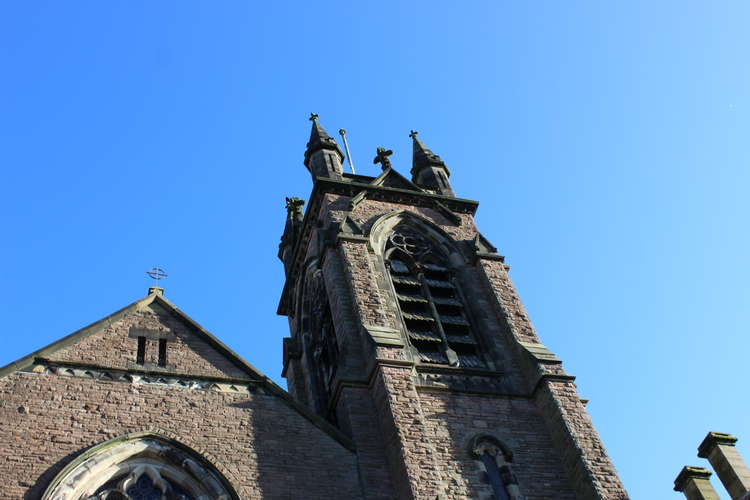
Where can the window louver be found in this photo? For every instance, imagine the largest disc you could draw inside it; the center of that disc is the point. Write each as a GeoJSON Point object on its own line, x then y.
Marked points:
{"type": "Point", "coordinates": [430, 303]}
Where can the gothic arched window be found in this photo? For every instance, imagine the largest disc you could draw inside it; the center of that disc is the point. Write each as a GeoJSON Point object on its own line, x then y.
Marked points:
{"type": "Point", "coordinates": [319, 342]}
{"type": "Point", "coordinates": [430, 301]}
{"type": "Point", "coordinates": [140, 466]}
{"type": "Point", "coordinates": [145, 482]}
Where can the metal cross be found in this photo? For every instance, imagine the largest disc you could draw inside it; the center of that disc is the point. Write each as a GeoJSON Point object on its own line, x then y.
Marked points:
{"type": "Point", "coordinates": [156, 274]}
{"type": "Point", "coordinates": [413, 134]}
{"type": "Point", "coordinates": [313, 117]}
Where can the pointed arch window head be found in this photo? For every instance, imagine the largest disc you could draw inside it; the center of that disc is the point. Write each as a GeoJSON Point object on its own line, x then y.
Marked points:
{"type": "Point", "coordinates": [496, 460]}
{"type": "Point", "coordinates": [145, 482]}
{"type": "Point", "coordinates": [141, 466]}
{"type": "Point", "coordinates": [430, 301]}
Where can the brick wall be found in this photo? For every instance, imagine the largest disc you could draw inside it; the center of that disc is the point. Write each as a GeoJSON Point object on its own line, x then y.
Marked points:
{"type": "Point", "coordinates": [362, 423]}
{"type": "Point", "coordinates": [187, 353]}
{"type": "Point", "coordinates": [571, 429]}
{"type": "Point", "coordinates": [426, 430]}
{"type": "Point", "coordinates": [264, 446]}
{"type": "Point", "coordinates": [453, 419]}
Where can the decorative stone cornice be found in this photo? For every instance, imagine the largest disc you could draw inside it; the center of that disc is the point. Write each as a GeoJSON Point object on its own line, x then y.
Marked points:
{"type": "Point", "coordinates": [473, 381]}
{"type": "Point", "coordinates": [185, 382]}
{"type": "Point", "coordinates": [176, 381]}
{"type": "Point", "coordinates": [397, 195]}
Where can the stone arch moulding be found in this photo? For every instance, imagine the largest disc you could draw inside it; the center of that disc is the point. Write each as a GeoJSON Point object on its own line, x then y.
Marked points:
{"type": "Point", "coordinates": [144, 460]}
{"type": "Point", "coordinates": [496, 459]}
{"type": "Point", "coordinates": [385, 224]}
{"type": "Point", "coordinates": [483, 443]}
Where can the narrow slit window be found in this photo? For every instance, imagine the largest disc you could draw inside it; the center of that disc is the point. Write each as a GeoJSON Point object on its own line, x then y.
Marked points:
{"type": "Point", "coordinates": [140, 356]}
{"type": "Point", "coordinates": [494, 477]}
{"type": "Point", "coordinates": [496, 459]}
{"type": "Point", "coordinates": [162, 352]}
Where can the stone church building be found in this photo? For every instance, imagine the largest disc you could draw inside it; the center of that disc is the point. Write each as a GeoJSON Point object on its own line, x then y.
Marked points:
{"type": "Point", "coordinates": [413, 373]}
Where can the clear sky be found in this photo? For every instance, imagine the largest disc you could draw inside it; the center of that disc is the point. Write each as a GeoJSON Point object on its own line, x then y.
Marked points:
{"type": "Point", "coordinates": [606, 141]}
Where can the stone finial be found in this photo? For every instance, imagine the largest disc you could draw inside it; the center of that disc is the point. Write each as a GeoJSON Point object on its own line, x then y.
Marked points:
{"type": "Point", "coordinates": [382, 158]}
{"type": "Point", "coordinates": [694, 483]}
{"type": "Point", "coordinates": [292, 229]}
{"type": "Point", "coordinates": [156, 290]}
{"type": "Point", "coordinates": [294, 208]}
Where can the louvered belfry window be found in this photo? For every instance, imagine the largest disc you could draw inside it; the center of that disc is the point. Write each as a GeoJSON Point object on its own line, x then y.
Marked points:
{"type": "Point", "coordinates": [430, 301]}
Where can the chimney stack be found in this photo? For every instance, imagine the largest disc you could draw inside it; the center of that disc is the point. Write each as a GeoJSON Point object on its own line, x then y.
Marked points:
{"type": "Point", "coordinates": [694, 483]}
{"type": "Point", "coordinates": [726, 461]}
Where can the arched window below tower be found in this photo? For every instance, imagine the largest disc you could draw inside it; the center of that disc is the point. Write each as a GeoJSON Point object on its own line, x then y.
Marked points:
{"type": "Point", "coordinates": [144, 482]}
{"type": "Point", "coordinates": [142, 466]}
{"type": "Point", "coordinates": [430, 301]}
{"type": "Point", "coordinates": [496, 461]}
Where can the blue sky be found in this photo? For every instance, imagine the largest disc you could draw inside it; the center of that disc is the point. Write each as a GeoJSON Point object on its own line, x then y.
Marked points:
{"type": "Point", "coordinates": [606, 142]}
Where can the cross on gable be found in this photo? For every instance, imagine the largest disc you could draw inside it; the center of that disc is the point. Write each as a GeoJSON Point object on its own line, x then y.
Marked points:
{"type": "Point", "coordinates": [382, 158]}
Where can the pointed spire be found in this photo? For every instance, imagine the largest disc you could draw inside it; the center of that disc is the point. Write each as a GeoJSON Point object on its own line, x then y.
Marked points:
{"type": "Point", "coordinates": [427, 169]}
{"type": "Point", "coordinates": [319, 139]}
{"type": "Point", "coordinates": [423, 157]}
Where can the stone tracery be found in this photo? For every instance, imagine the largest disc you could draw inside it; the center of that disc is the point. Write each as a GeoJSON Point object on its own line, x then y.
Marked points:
{"type": "Point", "coordinates": [430, 300]}
{"type": "Point", "coordinates": [319, 339]}
{"type": "Point", "coordinates": [140, 467]}
{"type": "Point", "coordinates": [145, 482]}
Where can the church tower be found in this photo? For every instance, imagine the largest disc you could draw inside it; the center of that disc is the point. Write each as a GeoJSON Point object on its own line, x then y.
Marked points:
{"type": "Point", "coordinates": [408, 335]}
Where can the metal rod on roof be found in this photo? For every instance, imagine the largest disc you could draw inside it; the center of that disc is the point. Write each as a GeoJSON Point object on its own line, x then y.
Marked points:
{"type": "Point", "coordinates": [342, 133]}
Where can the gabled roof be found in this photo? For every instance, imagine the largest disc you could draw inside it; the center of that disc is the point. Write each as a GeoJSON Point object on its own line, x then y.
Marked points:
{"type": "Point", "coordinates": [154, 297]}
{"type": "Point", "coordinates": [391, 178]}
{"type": "Point", "coordinates": [76, 336]}
{"type": "Point", "coordinates": [97, 326]}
